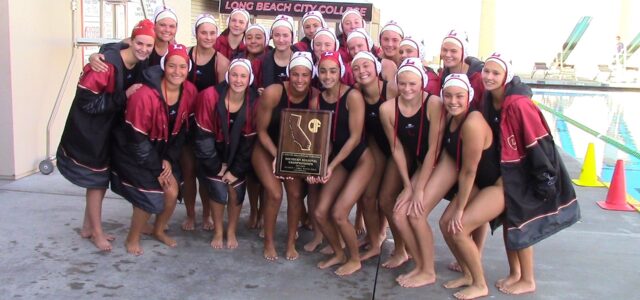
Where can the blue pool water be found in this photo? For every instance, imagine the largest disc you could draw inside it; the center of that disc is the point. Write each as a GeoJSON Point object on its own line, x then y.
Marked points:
{"type": "Point", "coordinates": [614, 115]}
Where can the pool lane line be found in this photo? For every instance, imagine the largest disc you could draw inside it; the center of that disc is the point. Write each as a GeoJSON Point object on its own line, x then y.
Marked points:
{"type": "Point", "coordinates": [598, 135]}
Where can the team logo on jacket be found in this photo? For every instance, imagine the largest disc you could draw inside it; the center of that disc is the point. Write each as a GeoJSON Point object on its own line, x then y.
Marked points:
{"type": "Point", "coordinates": [511, 141]}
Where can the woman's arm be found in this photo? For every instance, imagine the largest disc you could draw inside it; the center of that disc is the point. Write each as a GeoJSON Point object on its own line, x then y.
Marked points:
{"type": "Point", "coordinates": [267, 103]}
{"type": "Point", "coordinates": [355, 108]}
{"type": "Point", "coordinates": [474, 135]}
{"type": "Point", "coordinates": [435, 117]}
{"type": "Point", "coordinates": [388, 118]}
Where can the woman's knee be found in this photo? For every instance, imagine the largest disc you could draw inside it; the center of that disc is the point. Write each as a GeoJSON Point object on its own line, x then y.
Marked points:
{"type": "Point", "coordinates": [339, 216]}
{"type": "Point", "coordinates": [321, 215]}
{"type": "Point", "coordinates": [399, 217]}
{"type": "Point", "coordinates": [443, 226]}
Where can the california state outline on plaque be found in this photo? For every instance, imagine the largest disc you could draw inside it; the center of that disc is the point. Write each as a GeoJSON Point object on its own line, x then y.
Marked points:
{"type": "Point", "coordinates": [298, 135]}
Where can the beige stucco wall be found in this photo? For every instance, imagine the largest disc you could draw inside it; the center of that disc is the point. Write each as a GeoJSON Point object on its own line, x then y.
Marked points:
{"type": "Point", "coordinates": [38, 57]}
{"type": "Point", "coordinates": [37, 47]}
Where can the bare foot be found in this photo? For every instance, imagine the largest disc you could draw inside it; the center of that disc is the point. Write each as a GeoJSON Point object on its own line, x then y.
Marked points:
{"type": "Point", "coordinates": [332, 261]}
{"type": "Point", "coordinates": [216, 242]}
{"type": "Point", "coordinates": [292, 253]}
{"type": "Point", "coordinates": [372, 252]}
{"type": "Point", "coordinates": [395, 261]}
{"type": "Point", "coordinates": [86, 233]}
{"type": "Point", "coordinates": [207, 224]}
{"type": "Point", "coordinates": [458, 282]}
{"type": "Point", "coordinates": [519, 287]}
{"type": "Point", "coordinates": [454, 266]}
{"type": "Point", "coordinates": [232, 241]}
{"type": "Point", "coordinates": [312, 245]}
{"type": "Point", "coordinates": [417, 280]}
{"type": "Point", "coordinates": [348, 268]}
{"type": "Point", "coordinates": [189, 224]}
{"type": "Point", "coordinates": [402, 277]}
{"type": "Point", "coordinates": [164, 238]}
{"type": "Point", "coordinates": [270, 253]}
{"type": "Point", "coordinates": [133, 247]}
{"type": "Point", "coordinates": [472, 292]}
{"type": "Point", "coordinates": [509, 280]}
{"type": "Point", "coordinates": [327, 250]}
{"type": "Point", "coordinates": [101, 242]}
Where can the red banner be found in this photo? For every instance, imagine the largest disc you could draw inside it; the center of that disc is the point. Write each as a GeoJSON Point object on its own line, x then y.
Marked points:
{"type": "Point", "coordinates": [330, 10]}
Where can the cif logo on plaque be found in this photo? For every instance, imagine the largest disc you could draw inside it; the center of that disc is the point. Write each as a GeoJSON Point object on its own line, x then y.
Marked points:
{"type": "Point", "coordinates": [314, 125]}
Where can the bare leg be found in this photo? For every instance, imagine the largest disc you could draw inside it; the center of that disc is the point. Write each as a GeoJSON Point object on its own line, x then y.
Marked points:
{"type": "Point", "coordinates": [138, 220]}
{"type": "Point", "coordinates": [328, 193]}
{"type": "Point", "coordinates": [217, 211]}
{"type": "Point", "coordinates": [253, 189]}
{"type": "Point", "coordinates": [295, 190]}
{"type": "Point", "coordinates": [312, 199]}
{"type": "Point", "coordinates": [93, 216]}
{"type": "Point", "coordinates": [514, 265]}
{"type": "Point", "coordinates": [465, 279]}
{"type": "Point", "coordinates": [527, 283]}
{"type": "Point", "coordinates": [162, 219]}
{"type": "Point", "coordinates": [419, 236]}
{"type": "Point", "coordinates": [187, 165]}
{"type": "Point", "coordinates": [359, 222]}
{"type": "Point", "coordinates": [261, 161]}
{"type": "Point", "coordinates": [391, 187]}
{"type": "Point", "coordinates": [233, 211]}
{"type": "Point", "coordinates": [371, 205]}
{"type": "Point", "coordinates": [207, 220]}
{"type": "Point", "coordinates": [482, 208]}
{"type": "Point", "coordinates": [349, 195]}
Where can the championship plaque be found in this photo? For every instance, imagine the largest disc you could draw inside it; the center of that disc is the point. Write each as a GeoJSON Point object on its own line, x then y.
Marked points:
{"type": "Point", "coordinates": [303, 148]}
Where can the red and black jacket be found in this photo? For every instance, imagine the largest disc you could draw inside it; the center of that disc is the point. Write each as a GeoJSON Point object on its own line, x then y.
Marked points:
{"type": "Point", "coordinates": [303, 45]}
{"type": "Point", "coordinates": [217, 141]}
{"type": "Point", "coordinates": [100, 97]}
{"type": "Point", "coordinates": [222, 45]}
{"type": "Point", "coordinates": [144, 139]}
{"type": "Point", "coordinates": [434, 84]}
{"type": "Point", "coordinates": [539, 196]}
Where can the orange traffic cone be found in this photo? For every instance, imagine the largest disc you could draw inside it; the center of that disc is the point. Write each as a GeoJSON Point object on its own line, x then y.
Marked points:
{"type": "Point", "coordinates": [617, 194]}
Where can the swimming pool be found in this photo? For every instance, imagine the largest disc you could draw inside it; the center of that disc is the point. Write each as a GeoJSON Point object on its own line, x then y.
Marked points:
{"type": "Point", "coordinates": [615, 116]}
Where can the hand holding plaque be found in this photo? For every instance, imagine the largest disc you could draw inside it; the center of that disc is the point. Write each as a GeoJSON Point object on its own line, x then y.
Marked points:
{"type": "Point", "coordinates": [303, 148]}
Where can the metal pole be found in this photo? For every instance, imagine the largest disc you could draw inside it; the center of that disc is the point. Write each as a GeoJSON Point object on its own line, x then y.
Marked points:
{"type": "Point", "coordinates": [67, 74]}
